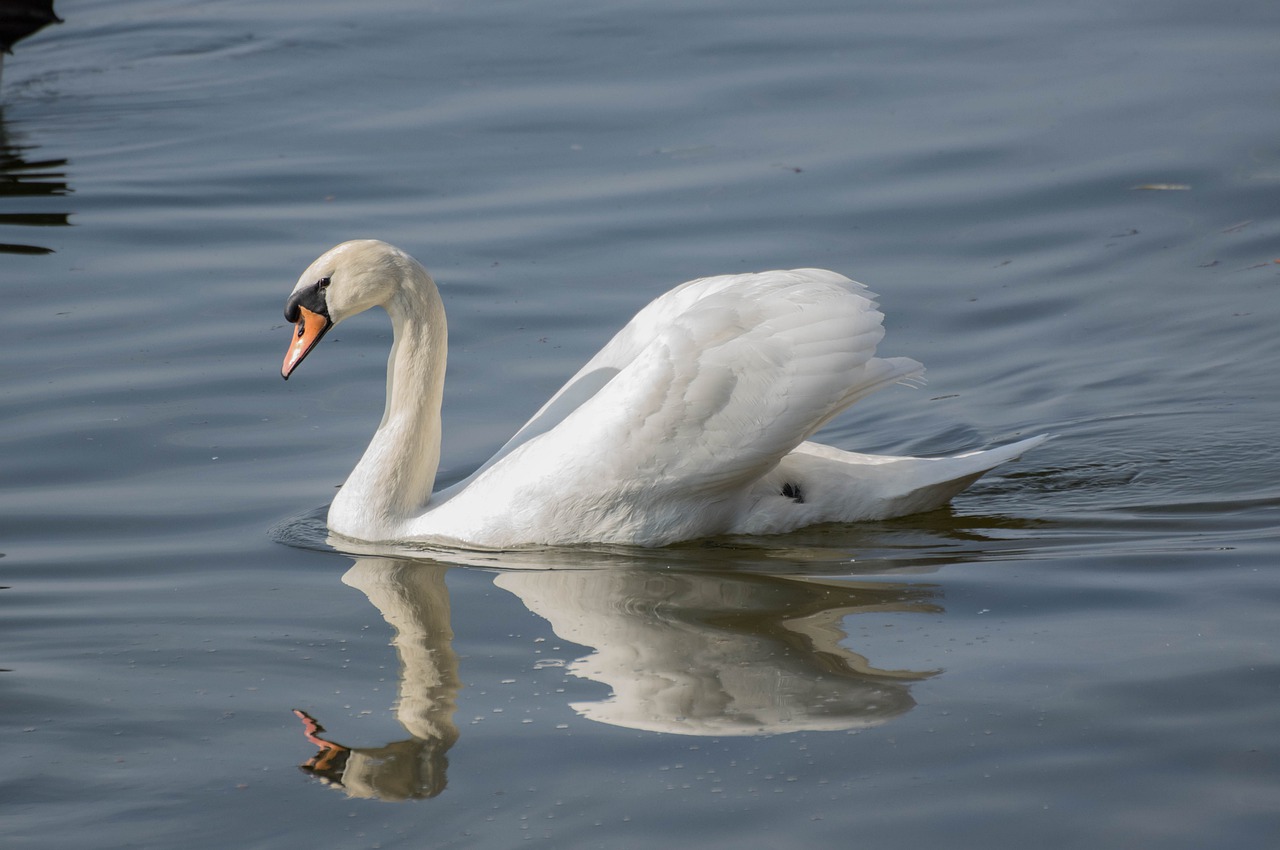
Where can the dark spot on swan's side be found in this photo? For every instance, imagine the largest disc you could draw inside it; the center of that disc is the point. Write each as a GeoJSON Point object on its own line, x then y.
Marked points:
{"type": "Point", "coordinates": [793, 491]}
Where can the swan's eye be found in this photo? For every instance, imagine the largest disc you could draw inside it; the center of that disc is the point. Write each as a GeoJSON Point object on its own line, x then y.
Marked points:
{"type": "Point", "coordinates": [322, 283]}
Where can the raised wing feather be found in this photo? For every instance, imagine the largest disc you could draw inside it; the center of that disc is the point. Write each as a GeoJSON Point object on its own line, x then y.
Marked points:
{"type": "Point", "coordinates": [710, 385]}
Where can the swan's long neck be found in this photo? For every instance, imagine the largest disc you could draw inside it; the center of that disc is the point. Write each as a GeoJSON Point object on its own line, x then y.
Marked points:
{"type": "Point", "coordinates": [392, 482]}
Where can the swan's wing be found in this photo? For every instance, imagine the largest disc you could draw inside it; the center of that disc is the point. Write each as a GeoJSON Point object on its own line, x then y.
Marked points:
{"type": "Point", "coordinates": [626, 344]}
{"type": "Point", "coordinates": [710, 298]}
{"type": "Point", "coordinates": [709, 386]}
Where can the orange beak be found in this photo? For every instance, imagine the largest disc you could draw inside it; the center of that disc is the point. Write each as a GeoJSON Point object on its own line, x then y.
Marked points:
{"type": "Point", "coordinates": [311, 326]}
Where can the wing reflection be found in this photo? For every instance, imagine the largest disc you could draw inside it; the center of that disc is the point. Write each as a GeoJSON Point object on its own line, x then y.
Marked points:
{"type": "Point", "coordinates": [683, 652]}
{"type": "Point", "coordinates": [722, 654]}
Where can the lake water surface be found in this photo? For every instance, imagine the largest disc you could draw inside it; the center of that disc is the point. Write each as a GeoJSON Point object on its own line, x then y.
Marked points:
{"type": "Point", "coordinates": [1070, 212]}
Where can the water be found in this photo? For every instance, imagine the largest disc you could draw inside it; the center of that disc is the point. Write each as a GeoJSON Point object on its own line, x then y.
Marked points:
{"type": "Point", "coordinates": [1079, 652]}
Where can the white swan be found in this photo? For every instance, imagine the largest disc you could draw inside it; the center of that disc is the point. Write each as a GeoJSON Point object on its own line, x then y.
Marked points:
{"type": "Point", "coordinates": [692, 421]}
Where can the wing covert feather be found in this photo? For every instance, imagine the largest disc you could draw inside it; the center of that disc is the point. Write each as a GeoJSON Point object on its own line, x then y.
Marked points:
{"type": "Point", "coordinates": [713, 383]}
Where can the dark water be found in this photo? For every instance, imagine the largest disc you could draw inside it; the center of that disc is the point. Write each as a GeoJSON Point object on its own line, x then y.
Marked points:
{"type": "Point", "coordinates": [1080, 652]}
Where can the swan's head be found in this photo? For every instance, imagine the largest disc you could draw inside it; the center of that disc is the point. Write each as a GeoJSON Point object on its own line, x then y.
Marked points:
{"type": "Point", "coordinates": [347, 279]}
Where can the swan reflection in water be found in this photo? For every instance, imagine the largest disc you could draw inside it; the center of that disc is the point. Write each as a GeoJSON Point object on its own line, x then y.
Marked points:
{"type": "Point", "coordinates": [415, 602]}
{"type": "Point", "coordinates": [683, 652]}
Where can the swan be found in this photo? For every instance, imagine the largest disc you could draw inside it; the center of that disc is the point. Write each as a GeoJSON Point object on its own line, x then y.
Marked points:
{"type": "Point", "coordinates": [693, 421]}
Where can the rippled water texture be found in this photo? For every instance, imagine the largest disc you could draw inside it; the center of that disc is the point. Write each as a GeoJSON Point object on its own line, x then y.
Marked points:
{"type": "Point", "coordinates": [1069, 211]}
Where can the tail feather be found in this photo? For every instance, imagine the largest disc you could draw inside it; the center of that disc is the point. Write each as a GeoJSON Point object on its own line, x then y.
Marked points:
{"type": "Point", "coordinates": [849, 487]}
{"type": "Point", "coordinates": [935, 481]}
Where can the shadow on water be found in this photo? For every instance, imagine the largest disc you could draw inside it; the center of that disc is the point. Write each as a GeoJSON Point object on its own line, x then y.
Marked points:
{"type": "Point", "coordinates": [685, 652]}
{"type": "Point", "coordinates": [24, 177]}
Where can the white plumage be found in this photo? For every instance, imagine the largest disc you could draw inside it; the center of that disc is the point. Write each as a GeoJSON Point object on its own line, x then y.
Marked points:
{"type": "Point", "coordinates": [692, 421]}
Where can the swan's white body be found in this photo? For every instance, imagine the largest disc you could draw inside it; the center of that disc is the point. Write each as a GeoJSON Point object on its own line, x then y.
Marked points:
{"type": "Point", "coordinates": [692, 421]}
